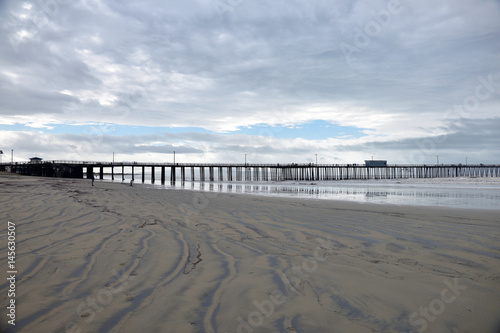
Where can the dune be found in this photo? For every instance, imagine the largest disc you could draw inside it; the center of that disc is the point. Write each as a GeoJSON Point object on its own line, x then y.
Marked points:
{"type": "Point", "coordinates": [116, 258]}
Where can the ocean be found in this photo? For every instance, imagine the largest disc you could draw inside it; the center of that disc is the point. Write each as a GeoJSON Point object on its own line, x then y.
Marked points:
{"type": "Point", "coordinates": [473, 193]}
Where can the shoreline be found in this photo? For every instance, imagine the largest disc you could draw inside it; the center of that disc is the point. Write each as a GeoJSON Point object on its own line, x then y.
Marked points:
{"type": "Point", "coordinates": [147, 186]}
{"type": "Point", "coordinates": [412, 192]}
{"type": "Point", "coordinates": [117, 258]}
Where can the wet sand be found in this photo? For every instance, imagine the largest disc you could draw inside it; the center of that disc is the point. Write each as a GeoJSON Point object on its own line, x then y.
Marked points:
{"type": "Point", "coordinates": [115, 258]}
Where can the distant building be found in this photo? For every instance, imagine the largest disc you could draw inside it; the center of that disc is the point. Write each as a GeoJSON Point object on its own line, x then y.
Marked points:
{"type": "Point", "coordinates": [35, 160]}
{"type": "Point", "coordinates": [376, 163]}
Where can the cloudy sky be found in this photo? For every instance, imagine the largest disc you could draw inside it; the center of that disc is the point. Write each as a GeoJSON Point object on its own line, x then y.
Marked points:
{"type": "Point", "coordinates": [280, 81]}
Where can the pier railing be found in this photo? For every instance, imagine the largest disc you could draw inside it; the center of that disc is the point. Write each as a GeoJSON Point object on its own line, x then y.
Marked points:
{"type": "Point", "coordinates": [134, 163]}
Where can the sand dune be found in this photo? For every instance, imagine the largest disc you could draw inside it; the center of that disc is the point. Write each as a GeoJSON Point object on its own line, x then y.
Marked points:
{"type": "Point", "coordinates": [115, 258]}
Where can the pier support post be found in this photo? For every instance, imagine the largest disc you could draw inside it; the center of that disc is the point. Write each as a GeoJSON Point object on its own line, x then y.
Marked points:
{"type": "Point", "coordinates": [90, 172]}
{"type": "Point", "coordinates": [172, 174]}
{"type": "Point", "coordinates": [211, 173]}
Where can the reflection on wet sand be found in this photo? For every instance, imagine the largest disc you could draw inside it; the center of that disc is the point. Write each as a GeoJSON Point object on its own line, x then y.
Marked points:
{"type": "Point", "coordinates": [485, 198]}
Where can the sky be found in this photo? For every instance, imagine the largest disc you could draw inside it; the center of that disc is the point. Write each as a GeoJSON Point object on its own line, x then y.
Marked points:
{"type": "Point", "coordinates": [410, 82]}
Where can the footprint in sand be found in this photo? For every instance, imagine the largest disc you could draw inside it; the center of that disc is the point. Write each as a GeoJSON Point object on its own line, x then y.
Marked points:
{"type": "Point", "coordinates": [392, 247]}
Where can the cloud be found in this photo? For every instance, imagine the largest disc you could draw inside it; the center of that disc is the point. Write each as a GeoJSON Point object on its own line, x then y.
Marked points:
{"type": "Point", "coordinates": [223, 67]}
{"type": "Point", "coordinates": [460, 142]}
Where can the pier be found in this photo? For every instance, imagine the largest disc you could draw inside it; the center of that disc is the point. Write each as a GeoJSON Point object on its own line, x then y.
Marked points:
{"type": "Point", "coordinates": [244, 172]}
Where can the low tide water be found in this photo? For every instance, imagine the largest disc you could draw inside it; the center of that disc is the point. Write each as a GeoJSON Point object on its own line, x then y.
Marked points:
{"type": "Point", "coordinates": [476, 193]}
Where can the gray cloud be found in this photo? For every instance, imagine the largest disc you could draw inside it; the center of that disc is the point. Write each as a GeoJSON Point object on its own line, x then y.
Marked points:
{"type": "Point", "coordinates": [467, 138]}
{"type": "Point", "coordinates": [191, 63]}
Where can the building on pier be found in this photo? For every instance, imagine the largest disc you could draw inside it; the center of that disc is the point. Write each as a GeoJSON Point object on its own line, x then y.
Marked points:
{"type": "Point", "coordinates": [36, 160]}
{"type": "Point", "coordinates": [375, 163]}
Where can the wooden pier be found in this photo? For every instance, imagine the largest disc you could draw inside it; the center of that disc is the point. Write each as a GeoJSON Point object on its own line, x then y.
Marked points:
{"type": "Point", "coordinates": [245, 172]}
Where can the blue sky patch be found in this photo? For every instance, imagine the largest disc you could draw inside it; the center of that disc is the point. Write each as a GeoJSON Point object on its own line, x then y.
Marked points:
{"type": "Point", "coordinates": [314, 130]}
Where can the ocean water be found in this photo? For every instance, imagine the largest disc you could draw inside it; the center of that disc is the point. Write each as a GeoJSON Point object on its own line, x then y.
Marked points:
{"type": "Point", "coordinates": [476, 193]}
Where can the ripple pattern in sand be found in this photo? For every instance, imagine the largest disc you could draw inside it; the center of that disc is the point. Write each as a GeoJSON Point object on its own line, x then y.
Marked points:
{"type": "Point", "coordinates": [223, 262]}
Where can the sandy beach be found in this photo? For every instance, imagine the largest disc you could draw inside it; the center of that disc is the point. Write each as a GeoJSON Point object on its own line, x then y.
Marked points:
{"type": "Point", "coordinates": [116, 258]}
